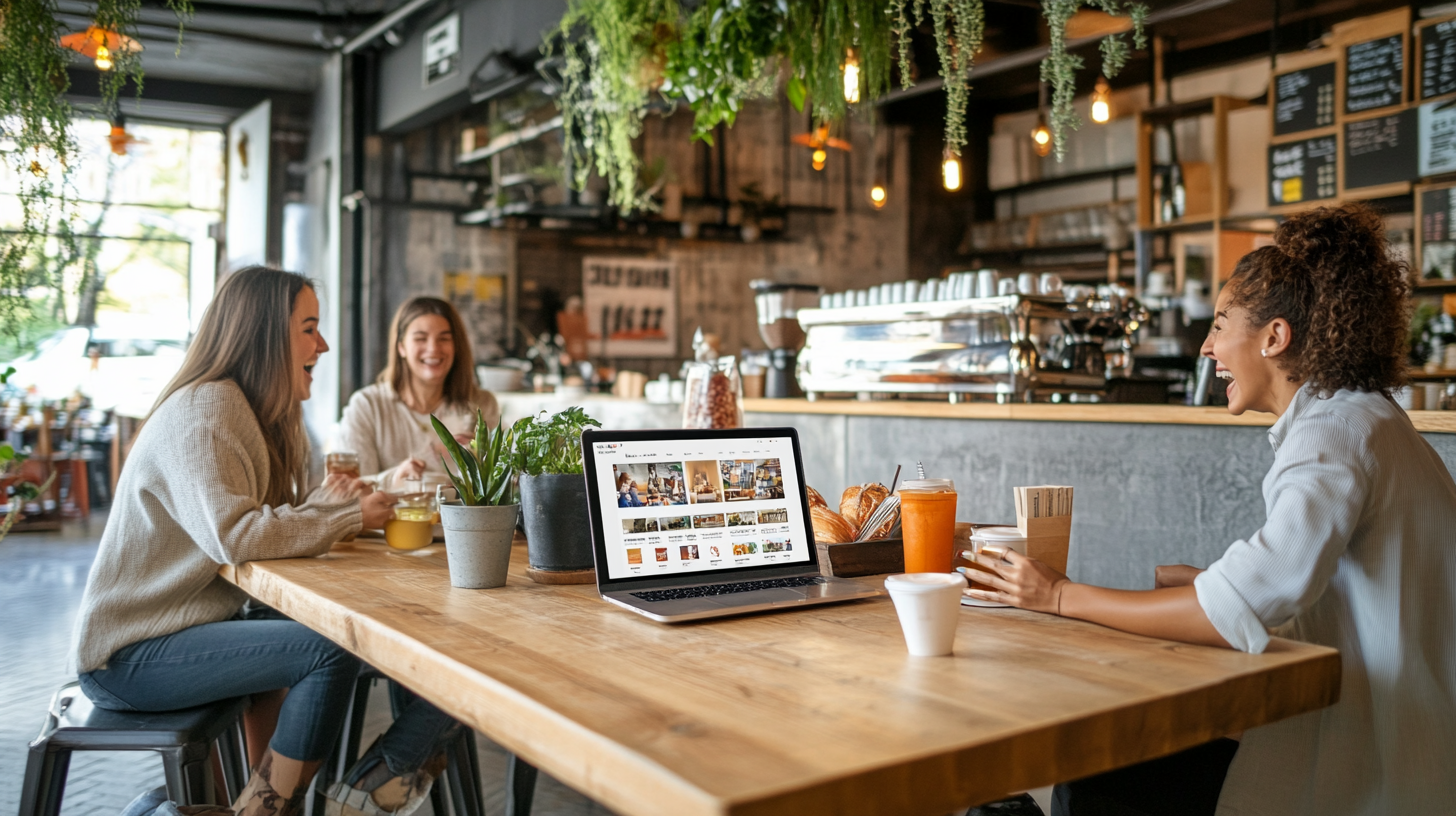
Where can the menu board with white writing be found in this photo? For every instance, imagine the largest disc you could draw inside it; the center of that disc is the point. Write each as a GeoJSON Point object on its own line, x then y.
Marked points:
{"type": "Point", "coordinates": [1438, 59]}
{"type": "Point", "coordinates": [1381, 150]}
{"type": "Point", "coordinates": [1304, 99]}
{"type": "Point", "coordinates": [1437, 125]}
{"type": "Point", "coordinates": [1374, 74]}
{"type": "Point", "coordinates": [1303, 171]}
{"type": "Point", "coordinates": [1437, 233]}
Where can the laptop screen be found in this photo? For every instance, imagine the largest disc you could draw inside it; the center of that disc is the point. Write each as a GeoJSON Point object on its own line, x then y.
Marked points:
{"type": "Point", "coordinates": [672, 506]}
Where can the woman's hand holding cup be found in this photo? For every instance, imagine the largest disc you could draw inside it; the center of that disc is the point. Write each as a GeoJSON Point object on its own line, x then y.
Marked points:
{"type": "Point", "coordinates": [410, 470]}
{"type": "Point", "coordinates": [1018, 580]}
{"type": "Point", "coordinates": [377, 508]}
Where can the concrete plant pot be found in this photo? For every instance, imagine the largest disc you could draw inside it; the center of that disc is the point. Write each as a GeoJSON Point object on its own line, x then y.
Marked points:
{"type": "Point", "coordinates": [478, 543]}
{"type": "Point", "coordinates": [558, 529]}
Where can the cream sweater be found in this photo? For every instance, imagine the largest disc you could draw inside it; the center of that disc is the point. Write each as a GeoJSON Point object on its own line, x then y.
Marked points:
{"type": "Point", "coordinates": [190, 499]}
{"type": "Point", "coordinates": [384, 432]}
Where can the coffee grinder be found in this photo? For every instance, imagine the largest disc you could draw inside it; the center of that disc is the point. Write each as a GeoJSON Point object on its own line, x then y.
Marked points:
{"type": "Point", "coordinates": [778, 324]}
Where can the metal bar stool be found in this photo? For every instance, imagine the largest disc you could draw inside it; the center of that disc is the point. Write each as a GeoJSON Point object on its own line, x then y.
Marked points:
{"type": "Point", "coordinates": [184, 739]}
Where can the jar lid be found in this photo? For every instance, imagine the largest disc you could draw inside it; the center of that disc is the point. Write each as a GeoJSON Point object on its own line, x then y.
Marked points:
{"type": "Point", "coordinates": [998, 534]}
{"type": "Point", "coordinates": [931, 485]}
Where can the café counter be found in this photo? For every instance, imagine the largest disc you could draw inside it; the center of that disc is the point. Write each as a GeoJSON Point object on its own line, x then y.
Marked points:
{"type": "Point", "coordinates": [1155, 484]}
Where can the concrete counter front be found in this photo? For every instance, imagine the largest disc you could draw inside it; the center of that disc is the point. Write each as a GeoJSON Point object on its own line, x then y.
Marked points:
{"type": "Point", "coordinates": [1155, 484]}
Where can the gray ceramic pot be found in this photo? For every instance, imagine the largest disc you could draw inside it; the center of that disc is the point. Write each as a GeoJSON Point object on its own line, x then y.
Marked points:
{"type": "Point", "coordinates": [478, 543]}
{"type": "Point", "coordinates": [558, 531]}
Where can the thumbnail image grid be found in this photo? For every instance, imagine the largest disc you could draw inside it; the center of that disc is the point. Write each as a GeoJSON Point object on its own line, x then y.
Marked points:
{"type": "Point", "coordinates": [650, 484]}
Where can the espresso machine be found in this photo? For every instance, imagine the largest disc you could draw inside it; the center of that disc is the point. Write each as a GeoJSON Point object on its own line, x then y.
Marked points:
{"type": "Point", "coordinates": [778, 324]}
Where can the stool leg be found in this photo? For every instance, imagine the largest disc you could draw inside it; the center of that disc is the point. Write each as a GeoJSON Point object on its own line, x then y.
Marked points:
{"type": "Point", "coordinates": [464, 787]}
{"type": "Point", "coordinates": [231, 754]}
{"type": "Point", "coordinates": [472, 775]}
{"type": "Point", "coordinates": [438, 801]}
{"type": "Point", "coordinates": [520, 786]}
{"type": "Point", "coordinates": [189, 775]}
{"type": "Point", "coordinates": [45, 781]}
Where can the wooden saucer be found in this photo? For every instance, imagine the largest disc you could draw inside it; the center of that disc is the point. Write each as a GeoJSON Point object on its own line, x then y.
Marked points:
{"type": "Point", "coordinates": [586, 576]}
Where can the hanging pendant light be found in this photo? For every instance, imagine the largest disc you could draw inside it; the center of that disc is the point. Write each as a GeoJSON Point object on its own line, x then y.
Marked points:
{"type": "Point", "coordinates": [1102, 102]}
{"type": "Point", "coordinates": [818, 158]}
{"type": "Point", "coordinates": [817, 141]}
{"type": "Point", "coordinates": [101, 45]}
{"type": "Point", "coordinates": [851, 77]}
{"type": "Point", "coordinates": [1041, 135]}
{"type": "Point", "coordinates": [120, 140]}
{"type": "Point", "coordinates": [950, 171]}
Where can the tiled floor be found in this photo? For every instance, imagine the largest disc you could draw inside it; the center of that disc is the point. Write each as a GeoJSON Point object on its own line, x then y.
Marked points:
{"type": "Point", "coordinates": [42, 576]}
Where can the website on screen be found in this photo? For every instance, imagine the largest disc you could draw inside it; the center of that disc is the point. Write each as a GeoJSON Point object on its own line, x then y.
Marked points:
{"type": "Point", "coordinates": [695, 505]}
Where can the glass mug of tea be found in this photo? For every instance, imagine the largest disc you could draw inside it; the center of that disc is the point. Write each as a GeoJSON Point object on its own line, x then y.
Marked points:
{"type": "Point", "coordinates": [342, 462]}
{"type": "Point", "coordinates": [414, 519]}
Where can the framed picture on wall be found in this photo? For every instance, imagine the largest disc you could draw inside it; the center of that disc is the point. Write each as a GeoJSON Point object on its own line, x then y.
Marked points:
{"type": "Point", "coordinates": [631, 306]}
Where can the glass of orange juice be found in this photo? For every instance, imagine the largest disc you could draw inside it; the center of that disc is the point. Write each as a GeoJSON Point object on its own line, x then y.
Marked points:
{"type": "Point", "coordinates": [413, 524]}
{"type": "Point", "coordinates": [927, 519]}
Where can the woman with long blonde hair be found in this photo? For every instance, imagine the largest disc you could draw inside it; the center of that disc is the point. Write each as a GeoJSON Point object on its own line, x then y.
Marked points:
{"type": "Point", "coordinates": [431, 372]}
{"type": "Point", "coordinates": [217, 476]}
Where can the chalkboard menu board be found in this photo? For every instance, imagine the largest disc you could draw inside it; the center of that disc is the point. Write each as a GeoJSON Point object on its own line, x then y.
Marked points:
{"type": "Point", "coordinates": [1304, 99]}
{"type": "Point", "coordinates": [1303, 170]}
{"type": "Point", "coordinates": [1438, 233]}
{"type": "Point", "coordinates": [1382, 150]}
{"type": "Point", "coordinates": [1374, 74]}
{"type": "Point", "coordinates": [1438, 59]}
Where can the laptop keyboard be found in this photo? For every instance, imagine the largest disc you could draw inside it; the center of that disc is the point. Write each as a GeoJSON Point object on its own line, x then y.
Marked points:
{"type": "Point", "coordinates": [725, 589]}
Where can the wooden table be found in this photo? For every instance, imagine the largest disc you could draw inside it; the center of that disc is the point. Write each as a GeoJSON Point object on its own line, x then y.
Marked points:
{"type": "Point", "coordinates": [818, 711]}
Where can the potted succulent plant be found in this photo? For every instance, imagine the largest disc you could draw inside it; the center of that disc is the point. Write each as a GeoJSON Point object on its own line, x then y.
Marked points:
{"type": "Point", "coordinates": [480, 524]}
{"type": "Point", "coordinates": [553, 490]}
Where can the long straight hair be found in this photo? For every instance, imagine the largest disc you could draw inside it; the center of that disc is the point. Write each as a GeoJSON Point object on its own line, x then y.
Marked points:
{"type": "Point", "coordinates": [245, 336]}
{"type": "Point", "coordinates": [460, 387]}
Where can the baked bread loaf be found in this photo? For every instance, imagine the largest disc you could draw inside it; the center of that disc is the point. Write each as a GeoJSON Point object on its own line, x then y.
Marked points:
{"type": "Point", "coordinates": [859, 502]}
{"type": "Point", "coordinates": [816, 500]}
{"type": "Point", "coordinates": [829, 526]}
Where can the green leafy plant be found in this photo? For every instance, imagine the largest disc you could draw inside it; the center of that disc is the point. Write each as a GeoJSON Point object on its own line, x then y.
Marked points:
{"type": "Point", "coordinates": [35, 129]}
{"type": "Point", "coordinates": [623, 58]}
{"type": "Point", "coordinates": [23, 492]}
{"type": "Point", "coordinates": [485, 473]}
{"type": "Point", "coordinates": [551, 445]}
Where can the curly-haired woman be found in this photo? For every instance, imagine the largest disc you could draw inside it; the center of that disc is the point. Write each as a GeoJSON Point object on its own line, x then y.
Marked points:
{"type": "Point", "coordinates": [1358, 551]}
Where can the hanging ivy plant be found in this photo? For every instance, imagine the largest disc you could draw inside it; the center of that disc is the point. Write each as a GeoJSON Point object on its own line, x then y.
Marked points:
{"type": "Point", "coordinates": [35, 129]}
{"type": "Point", "coordinates": [621, 56]}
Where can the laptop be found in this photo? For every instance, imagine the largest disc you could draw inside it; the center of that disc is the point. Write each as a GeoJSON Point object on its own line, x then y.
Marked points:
{"type": "Point", "coordinates": [691, 524]}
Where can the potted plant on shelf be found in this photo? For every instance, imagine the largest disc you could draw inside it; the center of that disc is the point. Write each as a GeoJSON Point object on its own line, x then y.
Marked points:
{"type": "Point", "coordinates": [479, 525]}
{"type": "Point", "coordinates": [553, 495]}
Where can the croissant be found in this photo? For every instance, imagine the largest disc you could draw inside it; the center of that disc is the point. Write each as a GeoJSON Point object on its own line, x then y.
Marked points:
{"type": "Point", "coordinates": [816, 500]}
{"type": "Point", "coordinates": [829, 526]}
{"type": "Point", "coordinates": [859, 502]}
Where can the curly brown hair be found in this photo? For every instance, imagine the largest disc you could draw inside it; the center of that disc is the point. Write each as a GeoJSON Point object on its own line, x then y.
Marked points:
{"type": "Point", "coordinates": [1330, 274]}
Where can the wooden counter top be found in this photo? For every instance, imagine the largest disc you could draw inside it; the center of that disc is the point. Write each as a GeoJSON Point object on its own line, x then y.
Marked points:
{"type": "Point", "coordinates": [1425, 421]}
{"type": "Point", "coordinates": [814, 712]}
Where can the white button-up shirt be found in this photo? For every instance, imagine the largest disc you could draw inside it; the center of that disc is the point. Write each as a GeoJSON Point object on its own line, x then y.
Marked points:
{"type": "Point", "coordinates": [1358, 553]}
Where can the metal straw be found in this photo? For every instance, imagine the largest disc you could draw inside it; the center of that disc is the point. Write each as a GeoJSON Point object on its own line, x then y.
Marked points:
{"type": "Point", "coordinates": [920, 468]}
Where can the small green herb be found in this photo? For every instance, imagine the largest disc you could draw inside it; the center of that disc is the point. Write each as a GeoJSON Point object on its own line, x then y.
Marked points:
{"type": "Point", "coordinates": [551, 445]}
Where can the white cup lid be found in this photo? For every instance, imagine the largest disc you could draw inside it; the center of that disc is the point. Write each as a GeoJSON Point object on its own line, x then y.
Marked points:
{"type": "Point", "coordinates": [924, 581]}
{"type": "Point", "coordinates": [937, 485]}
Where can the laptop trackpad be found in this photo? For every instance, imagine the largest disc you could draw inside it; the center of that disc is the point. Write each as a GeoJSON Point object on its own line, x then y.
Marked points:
{"type": "Point", "coordinates": [777, 596]}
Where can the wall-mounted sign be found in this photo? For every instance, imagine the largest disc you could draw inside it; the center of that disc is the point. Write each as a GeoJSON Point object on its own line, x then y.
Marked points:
{"type": "Point", "coordinates": [442, 49]}
{"type": "Point", "coordinates": [1303, 171]}
{"type": "Point", "coordinates": [1436, 231]}
{"type": "Point", "coordinates": [1381, 150]}
{"type": "Point", "coordinates": [1438, 59]}
{"type": "Point", "coordinates": [1304, 99]}
{"type": "Point", "coordinates": [1437, 122]}
{"type": "Point", "coordinates": [1374, 74]}
{"type": "Point", "coordinates": [631, 306]}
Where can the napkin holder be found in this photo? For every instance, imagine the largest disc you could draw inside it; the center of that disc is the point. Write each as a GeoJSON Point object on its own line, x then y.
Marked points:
{"type": "Point", "coordinates": [1044, 516]}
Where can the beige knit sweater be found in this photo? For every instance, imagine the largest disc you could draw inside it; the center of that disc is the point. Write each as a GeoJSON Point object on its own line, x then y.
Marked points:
{"type": "Point", "coordinates": [190, 499]}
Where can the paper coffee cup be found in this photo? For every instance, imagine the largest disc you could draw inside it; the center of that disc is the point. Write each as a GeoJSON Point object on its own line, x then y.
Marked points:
{"type": "Point", "coordinates": [928, 605]}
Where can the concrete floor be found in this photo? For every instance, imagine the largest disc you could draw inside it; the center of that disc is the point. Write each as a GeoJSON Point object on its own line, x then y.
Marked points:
{"type": "Point", "coordinates": [42, 577]}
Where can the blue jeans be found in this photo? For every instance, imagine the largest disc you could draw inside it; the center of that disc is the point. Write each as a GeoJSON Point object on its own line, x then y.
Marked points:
{"type": "Point", "coordinates": [264, 652]}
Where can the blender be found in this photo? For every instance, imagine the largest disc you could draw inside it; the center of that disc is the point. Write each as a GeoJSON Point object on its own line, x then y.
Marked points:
{"type": "Point", "coordinates": [778, 324]}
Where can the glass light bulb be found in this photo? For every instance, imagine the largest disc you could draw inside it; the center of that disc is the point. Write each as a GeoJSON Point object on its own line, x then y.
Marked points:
{"type": "Point", "coordinates": [819, 158]}
{"type": "Point", "coordinates": [1101, 111]}
{"type": "Point", "coordinates": [878, 195]}
{"type": "Point", "coordinates": [103, 58]}
{"type": "Point", "coordinates": [950, 172]}
{"type": "Point", "coordinates": [851, 79]}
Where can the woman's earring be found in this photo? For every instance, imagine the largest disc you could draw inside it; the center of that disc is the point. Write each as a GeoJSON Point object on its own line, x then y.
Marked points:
{"type": "Point", "coordinates": [1263, 352]}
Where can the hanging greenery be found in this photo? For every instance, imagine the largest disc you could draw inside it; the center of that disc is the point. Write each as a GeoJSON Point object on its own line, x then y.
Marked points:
{"type": "Point", "coordinates": [35, 128]}
{"type": "Point", "coordinates": [622, 57]}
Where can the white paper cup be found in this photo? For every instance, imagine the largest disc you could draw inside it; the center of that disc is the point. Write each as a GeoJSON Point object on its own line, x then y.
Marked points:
{"type": "Point", "coordinates": [928, 605]}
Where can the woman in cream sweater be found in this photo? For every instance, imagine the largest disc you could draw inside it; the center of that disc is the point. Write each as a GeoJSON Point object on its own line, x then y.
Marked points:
{"type": "Point", "coordinates": [217, 476]}
{"type": "Point", "coordinates": [430, 372]}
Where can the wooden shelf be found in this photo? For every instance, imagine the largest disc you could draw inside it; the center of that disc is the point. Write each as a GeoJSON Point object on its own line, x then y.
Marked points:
{"type": "Point", "coordinates": [508, 140]}
{"type": "Point", "coordinates": [1434, 287]}
{"type": "Point", "coordinates": [1438, 374]}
